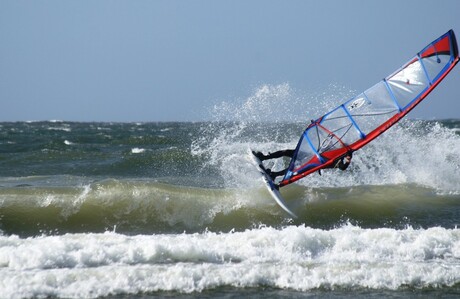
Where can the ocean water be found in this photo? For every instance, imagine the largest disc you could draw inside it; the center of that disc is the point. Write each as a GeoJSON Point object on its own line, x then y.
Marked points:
{"type": "Point", "coordinates": [144, 210]}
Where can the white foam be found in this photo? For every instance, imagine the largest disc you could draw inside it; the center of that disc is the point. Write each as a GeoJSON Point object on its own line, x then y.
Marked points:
{"type": "Point", "coordinates": [65, 129]}
{"type": "Point", "coordinates": [137, 150]}
{"type": "Point", "coordinates": [299, 258]}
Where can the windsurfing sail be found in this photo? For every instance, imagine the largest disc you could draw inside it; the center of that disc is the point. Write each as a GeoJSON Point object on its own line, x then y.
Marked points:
{"type": "Point", "coordinates": [361, 119]}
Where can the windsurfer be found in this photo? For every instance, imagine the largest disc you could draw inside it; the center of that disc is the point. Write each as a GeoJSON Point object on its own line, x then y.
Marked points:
{"type": "Point", "coordinates": [276, 155]}
{"type": "Point", "coordinates": [341, 163]}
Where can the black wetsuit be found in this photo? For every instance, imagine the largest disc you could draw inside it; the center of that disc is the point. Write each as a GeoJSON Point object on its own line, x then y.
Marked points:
{"type": "Point", "coordinates": [278, 154]}
{"type": "Point", "coordinates": [340, 164]}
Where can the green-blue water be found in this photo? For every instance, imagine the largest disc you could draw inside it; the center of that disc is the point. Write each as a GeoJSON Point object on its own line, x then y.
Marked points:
{"type": "Point", "coordinates": [176, 209]}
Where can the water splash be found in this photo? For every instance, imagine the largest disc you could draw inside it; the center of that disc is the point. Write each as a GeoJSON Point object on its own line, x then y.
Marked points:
{"type": "Point", "coordinates": [296, 257]}
{"type": "Point", "coordinates": [272, 118]}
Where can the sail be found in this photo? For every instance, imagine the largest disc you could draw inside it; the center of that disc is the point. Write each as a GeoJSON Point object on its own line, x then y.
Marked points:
{"type": "Point", "coordinates": [361, 119]}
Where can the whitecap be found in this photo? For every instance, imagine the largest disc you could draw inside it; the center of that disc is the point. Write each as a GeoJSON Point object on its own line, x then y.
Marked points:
{"type": "Point", "coordinates": [298, 258]}
{"type": "Point", "coordinates": [65, 129]}
{"type": "Point", "coordinates": [137, 150]}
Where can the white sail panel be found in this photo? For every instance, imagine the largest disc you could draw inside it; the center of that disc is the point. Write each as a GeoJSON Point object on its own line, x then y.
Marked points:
{"type": "Point", "coordinates": [408, 83]}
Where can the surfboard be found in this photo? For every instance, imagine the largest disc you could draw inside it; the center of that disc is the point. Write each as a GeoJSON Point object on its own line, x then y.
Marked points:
{"type": "Point", "coordinates": [269, 184]}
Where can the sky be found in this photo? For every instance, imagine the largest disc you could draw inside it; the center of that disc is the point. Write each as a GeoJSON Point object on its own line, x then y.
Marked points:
{"type": "Point", "coordinates": [172, 60]}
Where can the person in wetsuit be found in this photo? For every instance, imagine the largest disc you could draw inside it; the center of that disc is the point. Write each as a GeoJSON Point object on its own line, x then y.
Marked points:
{"type": "Point", "coordinates": [341, 163]}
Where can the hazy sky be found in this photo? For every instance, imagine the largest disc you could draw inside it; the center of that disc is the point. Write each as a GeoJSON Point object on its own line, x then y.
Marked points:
{"type": "Point", "coordinates": [172, 60]}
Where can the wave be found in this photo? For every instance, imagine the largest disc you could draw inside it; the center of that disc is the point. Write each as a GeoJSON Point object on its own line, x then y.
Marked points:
{"type": "Point", "coordinates": [133, 206]}
{"type": "Point", "coordinates": [294, 258]}
{"type": "Point", "coordinates": [171, 177]}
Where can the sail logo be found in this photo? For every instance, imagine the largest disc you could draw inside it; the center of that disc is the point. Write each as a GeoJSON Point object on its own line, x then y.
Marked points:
{"type": "Point", "coordinates": [356, 104]}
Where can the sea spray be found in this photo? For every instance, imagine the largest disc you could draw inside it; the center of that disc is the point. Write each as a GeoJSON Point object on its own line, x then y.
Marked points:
{"type": "Point", "coordinates": [270, 119]}
{"type": "Point", "coordinates": [273, 117]}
